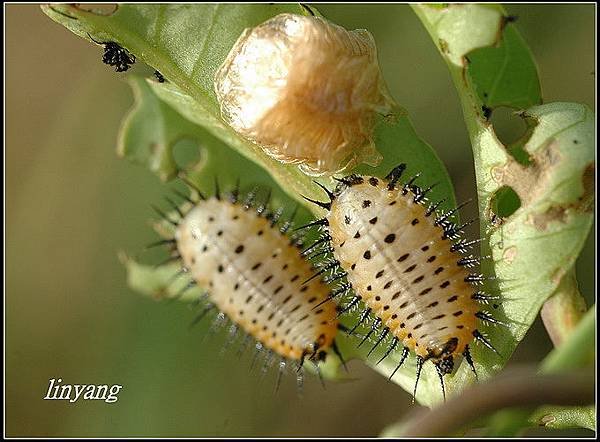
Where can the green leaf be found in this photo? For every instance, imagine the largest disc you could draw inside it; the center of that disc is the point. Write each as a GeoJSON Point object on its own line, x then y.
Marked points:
{"type": "Point", "coordinates": [560, 418]}
{"type": "Point", "coordinates": [187, 43]}
{"type": "Point", "coordinates": [536, 241]}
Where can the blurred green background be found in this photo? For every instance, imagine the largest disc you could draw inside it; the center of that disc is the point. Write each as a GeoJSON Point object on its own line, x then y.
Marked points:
{"type": "Point", "coordinates": [72, 204]}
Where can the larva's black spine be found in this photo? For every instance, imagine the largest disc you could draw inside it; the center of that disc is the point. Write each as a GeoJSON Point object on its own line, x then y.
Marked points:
{"type": "Point", "coordinates": [449, 231]}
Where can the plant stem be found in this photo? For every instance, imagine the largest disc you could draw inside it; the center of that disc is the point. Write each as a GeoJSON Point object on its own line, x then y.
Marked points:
{"type": "Point", "coordinates": [523, 387]}
{"type": "Point", "coordinates": [564, 309]}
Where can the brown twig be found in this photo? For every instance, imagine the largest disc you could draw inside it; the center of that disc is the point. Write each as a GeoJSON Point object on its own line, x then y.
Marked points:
{"type": "Point", "coordinates": [516, 388]}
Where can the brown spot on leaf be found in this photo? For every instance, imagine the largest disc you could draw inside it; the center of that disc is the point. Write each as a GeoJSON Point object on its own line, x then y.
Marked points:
{"type": "Point", "coordinates": [510, 254]}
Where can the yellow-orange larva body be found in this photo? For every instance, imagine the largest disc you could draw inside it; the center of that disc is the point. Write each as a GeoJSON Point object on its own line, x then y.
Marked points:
{"type": "Point", "coordinates": [306, 91]}
{"type": "Point", "coordinates": [404, 271]}
{"type": "Point", "coordinates": [405, 261]}
{"type": "Point", "coordinates": [254, 275]}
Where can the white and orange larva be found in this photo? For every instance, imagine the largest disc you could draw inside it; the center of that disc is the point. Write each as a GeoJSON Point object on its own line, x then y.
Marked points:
{"type": "Point", "coordinates": [306, 91]}
{"type": "Point", "coordinates": [405, 262]}
{"type": "Point", "coordinates": [254, 274]}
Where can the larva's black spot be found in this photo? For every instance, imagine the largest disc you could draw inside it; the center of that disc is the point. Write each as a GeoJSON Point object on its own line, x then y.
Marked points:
{"type": "Point", "coordinates": [287, 299]}
{"type": "Point", "coordinates": [220, 233]}
{"type": "Point", "coordinates": [438, 270]}
{"type": "Point", "coordinates": [303, 289]}
{"type": "Point", "coordinates": [353, 266]}
{"type": "Point", "coordinates": [303, 318]}
{"type": "Point", "coordinates": [412, 315]}
{"type": "Point", "coordinates": [260, 308]}
{"type": "Point", "coordinates": [404, 304]}
{"type": "Point", "coordinates": [379, 274]}
{"type": "Point", "coordinates": [274, 255]}
{"type": "Point", "coordinates": [410, 269]}
{"type": "Point", "coordinates": [414, 222]}
{"type": "Point", "coordinates": [294, 278]}
{"type": "Point", "coordinates": [403, 257]}
{"type": "Point", "coordinates": [357, 235]}
{"type": "Point", "coordinates": [452, 298]}
{"type": "Point", "coordinates": [444, 284]}
{"type": "Point", "coordinates": [278, 289]}
{"type": "Point", "coordinates": [418, 279]}
{"type": "Point", "coordinates": [366, 203]}
{"type": "Point", "coordinates": [204, 248]}
{"type": "Point", "coordinates": [402, 325]}
{"type": "Point", "coordinates": [418, 326]}
{"type": "Point", "coordinates": [313, 299]}
{"type": "Point", "coordinates": [409, 335]}
{"type": "Point", "coordinates": [342, 244]}
{"type": "Point", "coordinates": [256, 266]}
{"type": "Point", "coordinates": [439, 316]}
{"type": "Point", "coordinates": [236, 286]}
{"type": "Point", "coordinates": [193, 260]}
{"type": "Point", "coordinates": [460, 327]}
{"type": "Point", "coordinates": [433, 304]}
{"type": "Point", "coordinates": [396, 295]}
{"type": "Point", "coordinates": [392, 203]}
{"type": "Point", "coordinates": [390, 238]}
{"type": "Point", "coordinates": [235, 217]}
{"type": "Point", "coordinates": [260, 233]}
{"type": "Point", "coordinates": [248, 299]}
{"type": "Point", "coordinates": [254, 321]}
{"type": "Point", "coordinates": [378, 298]}
{"type": "Point", "coordinates": [394, 316]}
{"type": "Point", "coordinates": [425, 248]}
{"type": "Point", "coordinates": [442, 328]}
{"type": "Point", "coordinates": [388, 284]}
{"type": "Point", "coordinates": [285, 266]}
{"type": "Point", "coordinates": [458, 313]}
{"type": "Point", "coordinates": [267, 279]}
{"type": "Point", "coordinates": [367, 254]}
{"type": "Point", "coordinates": [431, 258]}
{"type": "Point", "coordinates": [385, 307]}
{"type": "Point", "coordinates": [373, 221]}
{"type": "Point", "coordinates": [373, 181]}
{"type": "Point", "coordinates": [211, 219]}
{"type": "Point", "coordinates": [425, 291]}
{"type": "Point", "coordinates": [239, 249]}
{"type": "Point", "coordinates": [318, 312]}
{"type": "Point", "coordinates": [241, 312]}
{"type": "Point", "coordinates": [220, 268]}
{"type": "Point", "coordinates": [369, 288]}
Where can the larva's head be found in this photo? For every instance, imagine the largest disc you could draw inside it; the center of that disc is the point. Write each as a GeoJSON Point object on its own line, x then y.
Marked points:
{"type": "Point", "coordinates": [306, 91]}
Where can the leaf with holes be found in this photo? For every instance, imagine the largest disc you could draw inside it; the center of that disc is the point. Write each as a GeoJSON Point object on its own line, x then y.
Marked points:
{"type": "Point", "coordinates": [536, 205]}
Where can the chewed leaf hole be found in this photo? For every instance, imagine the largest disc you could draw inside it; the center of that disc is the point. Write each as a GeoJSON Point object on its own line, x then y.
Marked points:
{"type": "Point", "coordinates": [508, 125]}
{"type": "Point", "coordinates": [186, 153]}
{"type": "Point", "coordinates": [505, 202]}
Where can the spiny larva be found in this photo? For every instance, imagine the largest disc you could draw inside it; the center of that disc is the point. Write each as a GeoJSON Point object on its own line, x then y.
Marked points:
{"type": "Point", "coordinates": [254, 276]}
{"type": "Point", "coordinates": [306, 91]}
{"type": "Point", "coordinates": [406, 263]}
